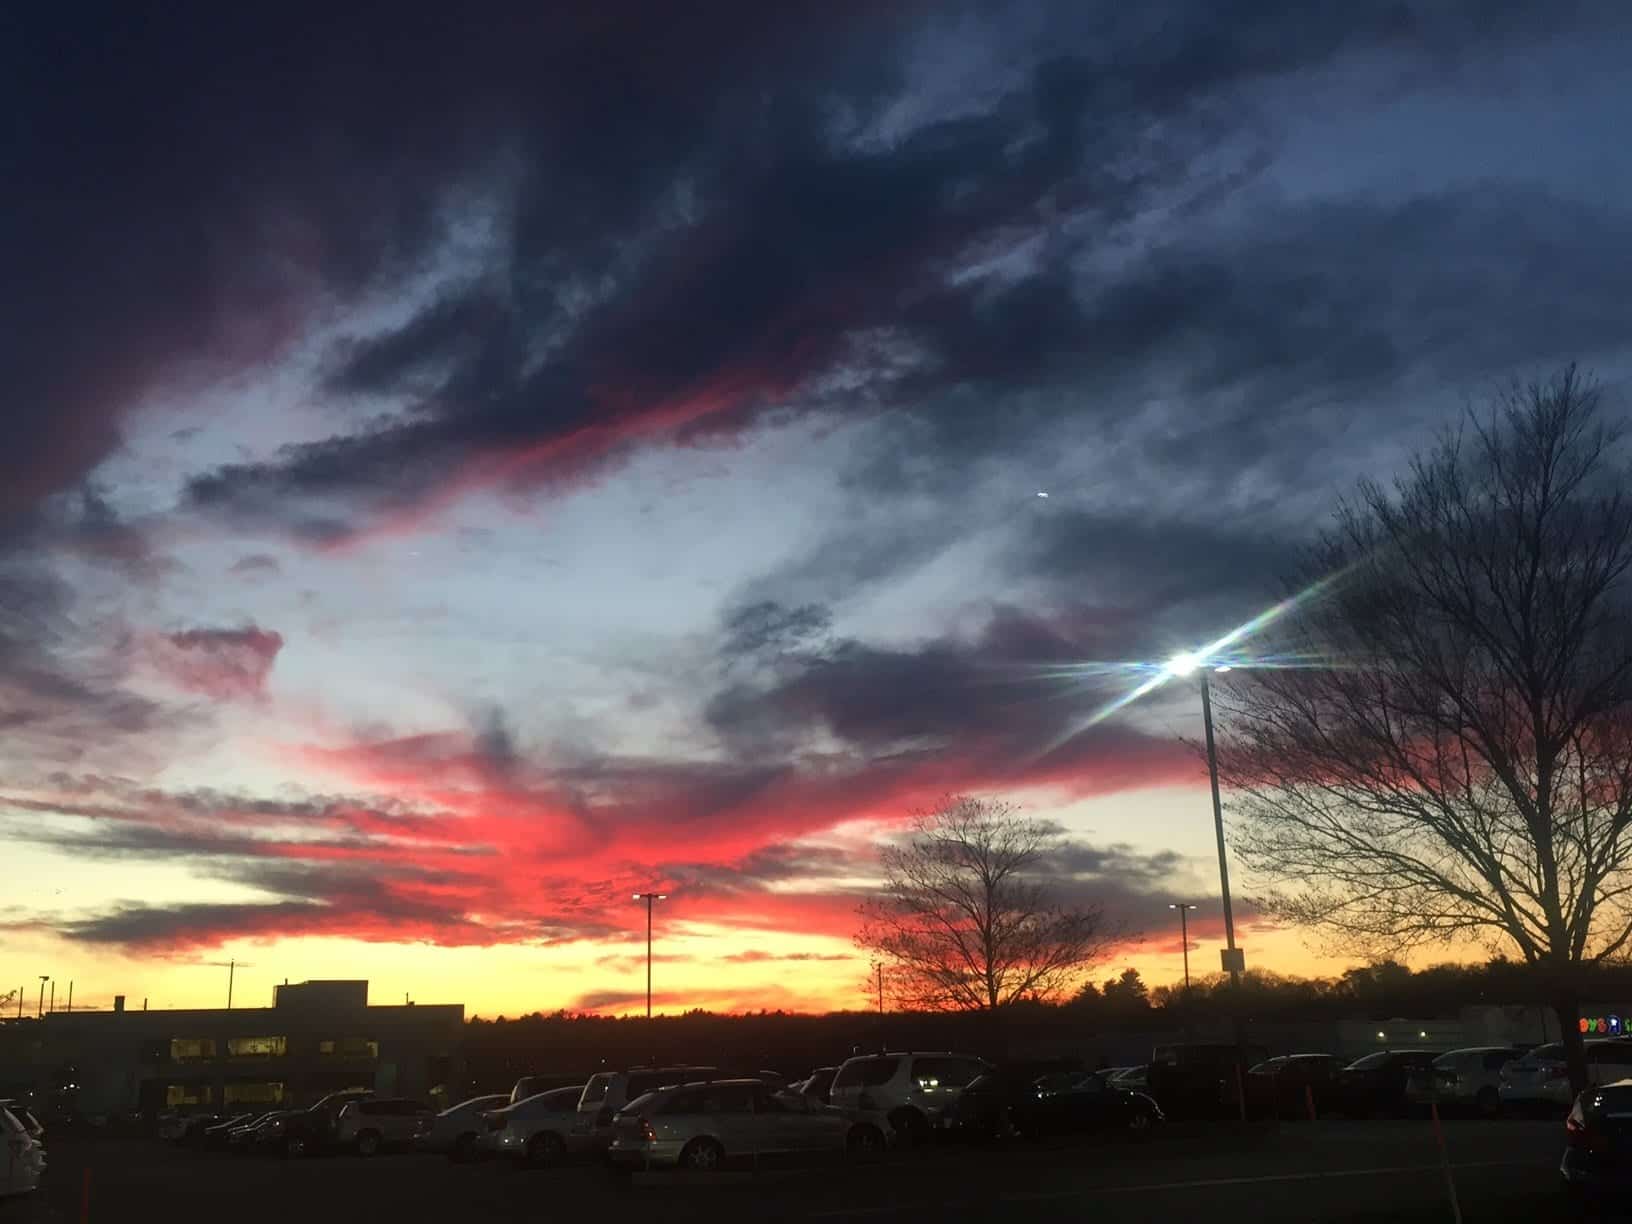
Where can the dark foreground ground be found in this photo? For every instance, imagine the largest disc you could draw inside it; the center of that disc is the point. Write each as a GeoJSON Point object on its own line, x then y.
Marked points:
{"type": "Point", "coordinates": [1329, 1171]}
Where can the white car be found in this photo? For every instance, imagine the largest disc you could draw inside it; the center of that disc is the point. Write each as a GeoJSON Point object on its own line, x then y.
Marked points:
{"type": "Point", "coordinates": [458, 1130]}
{"type": "Point", "coordinates": [1542, 1078]}
{"type": "Point", "coordinates": [22, 1158]}
{"type": "Point", "coordinates": [1467, 1078]}
{"type": "Point", "coordinates": [538, 1131]}
{"type": "Point", "coordinates": [369, 1127]}
{"type": "Point", "coordinates": [702, 1126]}
{"type": "Point", "coordinates": [913, 1092]}
{"type": "Point", "coordinates": [609, 1091]}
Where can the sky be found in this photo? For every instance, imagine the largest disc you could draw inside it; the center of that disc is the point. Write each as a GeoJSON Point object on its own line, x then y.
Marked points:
{"type": "Point", "coordinates": [463, 472]}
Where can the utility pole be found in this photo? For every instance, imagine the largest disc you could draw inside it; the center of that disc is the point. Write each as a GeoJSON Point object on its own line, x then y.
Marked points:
{"type": "Point", "coordinates": [70, 994]}
{"type": "Point", "coordinates": [232, 969]}
{"type": "Point", "coordinates": [53, 1006]}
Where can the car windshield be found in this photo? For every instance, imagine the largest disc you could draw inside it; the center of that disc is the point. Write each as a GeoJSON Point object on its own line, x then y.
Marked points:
{"type": "Point", "coordinates": [596, 1089]}
{"type": "Point", "coordinates": [1372, 1061]}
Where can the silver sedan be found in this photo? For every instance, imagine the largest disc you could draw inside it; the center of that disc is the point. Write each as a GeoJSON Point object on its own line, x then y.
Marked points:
{"type": "Point", "coordinates": [701, 1126]}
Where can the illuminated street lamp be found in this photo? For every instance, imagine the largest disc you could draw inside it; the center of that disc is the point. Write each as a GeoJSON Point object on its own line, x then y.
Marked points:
{"type": "Point", "coordinates": [1184, 938]}
{"type": "Point", "coordinates": [1187, 664]}
{"type": "Point", "coordinates": [650, 899]}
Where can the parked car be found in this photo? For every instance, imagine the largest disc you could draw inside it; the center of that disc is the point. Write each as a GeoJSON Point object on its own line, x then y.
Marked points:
{"type": "Point", "coordinates": [457, 1131]}
{"type": "Point", "coordinates": [532, 1085]}
{"type": "Point", "coordinates": [819, 1085]}
{"type": "Point", "coordinates": [1598, 1143]}
{"type": "Point", "coordinates": [1201, 1079]}
{"type": "Point", "coordinates": [1540, 1081]}
{"type": "Point", "coordinates": [315, 1129]}
{"type": "Point", "coordinates": [609, 1091]}
{"type": "Point", "coordinates": [217, 1135]}
{"type": "Point", "coordinates": [195, 1127]}
{"type": "Point", "coordinates": [268, 1135]}
{"type": "Point", "coordinates": [911, 1091]}
{"type": "Point", "coordinates": [22, 1157]}
{"type": "Point", "coordinates": [24, 1115]}
{"type": "Point", "coordinates": [1137, 1077]}
{"type": "Point", "coordinates": [1375, 1084]}
{"type": "Point", "coordinates": [1470, 1078]}
{"type": "Point", "coordinates": [377, 1124]}
{"type": "Point", "coordinates": [997, 1102]}
{"type": "Point", "coordinates": [1284, 1086]}
{"type": "Point", "coordinates": [238, 1136]}
{"type": "Point", "coordinates": [538, 1131]}
{"type": "Point", "coordinates": [701, 1126]}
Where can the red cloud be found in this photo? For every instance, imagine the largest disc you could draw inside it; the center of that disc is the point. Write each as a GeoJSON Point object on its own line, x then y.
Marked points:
{"type": "Point", "coordinates": [223, 663]}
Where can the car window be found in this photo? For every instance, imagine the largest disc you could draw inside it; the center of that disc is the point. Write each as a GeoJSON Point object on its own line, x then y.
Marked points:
{"type": "Point", "coordinates": [868, 1072]}
{"type": "Point", "coordinates": [1371, 1061]}
{"type": "Point", "coordinates": [1552, 1052]}
{"type": "Point", "coordinates": [641, 1103]}
{"type": "Point", "coordinates": [595, 1091]}
{"type": "Point", "coordinates": [939, 1072]}
{"type": "Point", "coordinates": [685, 1101]}
{"type": "Point", "coordinates": [728, 1098]}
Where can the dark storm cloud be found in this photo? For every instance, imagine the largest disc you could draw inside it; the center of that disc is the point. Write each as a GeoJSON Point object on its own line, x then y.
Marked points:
{"type": "Point", "coordinates": [747, 246]}
{"type": "Point", "coordinates": [997, 704]}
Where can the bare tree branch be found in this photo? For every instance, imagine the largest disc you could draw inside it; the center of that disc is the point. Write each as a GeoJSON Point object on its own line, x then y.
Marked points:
{"type": "Point", "coordinates": [1462, 768]}
{"type": "Point", "coordinates": [963, 921]}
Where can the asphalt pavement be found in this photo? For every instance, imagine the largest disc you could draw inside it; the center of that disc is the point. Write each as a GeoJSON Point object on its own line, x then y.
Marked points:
{"type": "Point", "coordinates": [1343, 1172]}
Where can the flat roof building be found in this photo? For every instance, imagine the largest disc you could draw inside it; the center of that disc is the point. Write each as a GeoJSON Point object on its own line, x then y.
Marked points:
{"type": "Point", "coordinates": [316, 1038]}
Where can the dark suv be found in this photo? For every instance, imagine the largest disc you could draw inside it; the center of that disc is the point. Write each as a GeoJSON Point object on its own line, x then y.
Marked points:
{"type": "Point", "coordinates": [313, 1130]}
{"type": "Point", "coordinates": [1201, 1079]}
{"type": "Point", "coordinates": [1376, 1083]}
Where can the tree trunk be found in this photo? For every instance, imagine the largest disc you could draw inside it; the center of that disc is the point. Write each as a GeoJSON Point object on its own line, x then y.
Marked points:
{"type": "Point", "coordinates": [1567, 1007]}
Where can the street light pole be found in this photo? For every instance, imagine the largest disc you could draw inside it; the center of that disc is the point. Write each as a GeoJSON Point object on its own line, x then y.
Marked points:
{"type": "Point", "coordinates": [649, 898]}
{"type": "Point", "coordinates": [1184, 939]}
{"type": "Point", "coordinates": [1218, 826]}
{"type": "Point", "coordinates": [44, 978]}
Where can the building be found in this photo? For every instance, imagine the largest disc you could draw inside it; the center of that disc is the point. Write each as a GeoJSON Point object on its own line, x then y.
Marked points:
{"type": "Point", "coordinates": [316, 1037]}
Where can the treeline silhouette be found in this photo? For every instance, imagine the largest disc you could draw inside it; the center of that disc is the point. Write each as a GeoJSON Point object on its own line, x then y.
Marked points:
{"type": "Point", "coordinates": [500, 1050]}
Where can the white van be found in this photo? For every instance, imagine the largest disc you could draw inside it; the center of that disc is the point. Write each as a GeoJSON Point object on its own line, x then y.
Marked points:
{"type": "Point", "coordinates": [609, 1091]}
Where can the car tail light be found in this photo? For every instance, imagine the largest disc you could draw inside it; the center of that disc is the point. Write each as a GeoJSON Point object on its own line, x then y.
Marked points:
{"type": "Point", "coordinates": [1578, 1133]}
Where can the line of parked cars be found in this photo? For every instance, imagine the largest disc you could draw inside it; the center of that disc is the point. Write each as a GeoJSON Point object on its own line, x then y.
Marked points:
{"type": "Point", "coordinates": [701, 1116]}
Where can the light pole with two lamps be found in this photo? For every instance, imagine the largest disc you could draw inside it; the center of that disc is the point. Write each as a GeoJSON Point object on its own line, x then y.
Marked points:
{"type": "Point", "coordinates": [1184, 938]}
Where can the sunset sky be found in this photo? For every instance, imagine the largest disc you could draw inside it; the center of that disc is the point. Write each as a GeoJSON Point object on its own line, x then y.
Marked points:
{"type": "Point", "coordinates": [462, 473]}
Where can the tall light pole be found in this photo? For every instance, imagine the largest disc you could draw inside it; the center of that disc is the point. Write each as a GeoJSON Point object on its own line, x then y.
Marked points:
{"type": "Point", "coordinates": [1184, 938]}
{"type": "Point", "coordinates": [1234, 962]}
{"type": "Point", "coordinates": [44, 978]}
{"type": "Point", "coordinates": [650, 899]}
{"type": "Point", "coordinates": [1184, 665]}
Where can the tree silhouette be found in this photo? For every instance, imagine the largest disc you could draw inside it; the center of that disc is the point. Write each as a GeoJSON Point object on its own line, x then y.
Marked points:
{"type": "Point", "coordinates": [1459, 766]}
{"type": "Point", "coordinates": [965, 920]}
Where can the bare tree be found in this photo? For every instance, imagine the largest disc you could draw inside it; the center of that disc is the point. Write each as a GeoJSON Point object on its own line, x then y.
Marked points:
{"type": "Point", "coordinates": [965, 923]}
{"type": "Point", "coordinates": [1457, 764]}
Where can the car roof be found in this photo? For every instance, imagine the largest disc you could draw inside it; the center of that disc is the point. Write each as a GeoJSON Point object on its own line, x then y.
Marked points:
{"type": "Point", "coordinates": [733, 1082]}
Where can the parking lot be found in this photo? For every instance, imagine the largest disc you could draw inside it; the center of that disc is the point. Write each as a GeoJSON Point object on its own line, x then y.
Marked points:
{"type": "Point", "coordinates": [1336, 1171]}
